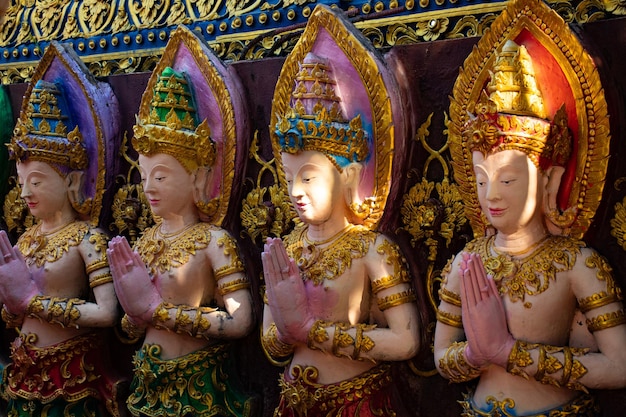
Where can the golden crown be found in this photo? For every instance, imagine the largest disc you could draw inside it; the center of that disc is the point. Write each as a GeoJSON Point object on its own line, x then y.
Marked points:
{"type": "Point", "coordinates": [512, 116]}
{"type": "Point", "coordinates": [42, 133]}
{"type": "Point", "coordinates": [315, 120]}
{"type": "Point", "coordinates": [171, 126]}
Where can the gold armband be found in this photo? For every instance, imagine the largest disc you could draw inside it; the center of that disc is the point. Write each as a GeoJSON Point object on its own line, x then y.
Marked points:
{"type": "Point", "coordinates": [133, 331]}
{"type": "Point", "coordinates": [548, 364]}
{"type": "Point", "coordinates": [273, 346]}
{"type": "Point", "coordinates": [233, 286]}
{"type": "Point", "coordinates": [454, 366]}
{"type": "Point", "coordinates": [183, 322]}
{"type": "Point", "coordinates": [100, 279]}
{"type": "Point", "coordinates": [596, 300]}
{"type": "Point", "coordinates": [230, 248]}
{"type": "Point", "coordinates": [449, 319]}
{"type": "Point", "coordinates": [13, 321]}
{"type": "Point", "coordinates": [394, 300]}
{"type": "Point", "coordinates": [317, 334]}
{"type": "Point", "coordinates": [386, 282]}
{"type": "Point", "coordinates": [95, 265]}
{"type": "Point", "coordinates": [605, 321]}
{"type": "Point", "coordinates": [449, 297]}
{"type": "Point", "coordinates": [59, 310]}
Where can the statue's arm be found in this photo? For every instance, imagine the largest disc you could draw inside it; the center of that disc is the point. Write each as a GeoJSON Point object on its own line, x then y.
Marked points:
{"type": "Point", "coordinates": [235, 319]}
{"type": "Point", "coordinates": [450, 342]}
{"type": "Point", "coordinates": [393, 297]}
{"type": "Point", "coordinates": [102, 310]}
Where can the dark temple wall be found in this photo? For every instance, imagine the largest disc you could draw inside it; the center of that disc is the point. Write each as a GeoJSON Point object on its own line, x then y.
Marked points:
{"type": "Point", "coordinates": [432, 68]}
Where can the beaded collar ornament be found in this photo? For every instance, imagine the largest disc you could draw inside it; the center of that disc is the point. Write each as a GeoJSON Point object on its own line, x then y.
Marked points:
{"type": "Point", "coordinates": [171, 126]}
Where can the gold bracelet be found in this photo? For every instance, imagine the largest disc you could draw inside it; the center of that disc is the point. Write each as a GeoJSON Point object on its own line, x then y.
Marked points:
{"type": "Point", "coordinates": [133, 331]}
{"type": "Point", "coordinates": [200, 324]}
{"type": "Point", "coordinates": [394, 300]}
{"type": "Point", "coordinates": [362, 342]}
{"type": "Point", "coordinates": [100, 280]}
{"type": "Point", "coordinates": [605, 321]}
{"type": "Point", "coordinates": [273, 346]}
{"type": "Point", "coordinates": [13, 321]}
{"type": "Point", "coordinates": [317, 334]}
{"type": "Point", "coordinates": [520, 358]}
{"type": "Point", "coordinates": [59, 310]}
{"type": "Point", "coordinates": [548, 364]}
{"type": "Point", "coordinates": [161, 315]}
{"type": "Point", "coordinates": [233, 286]}
{"type": "Point", "coordinates": [35, 305]}
{"type": "Point", "coordinates": [455, 367]}
{"type": "Point", "coordinates": [341, 339]}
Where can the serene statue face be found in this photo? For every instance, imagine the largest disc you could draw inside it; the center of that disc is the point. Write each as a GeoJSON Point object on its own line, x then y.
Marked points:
{"type": "Point", "coordinates": [510, 189]}
{"type": "Point", "coordinates": [43, 189]}
{"type": "Point", "coordinates": [316, 187]}
{"type": "Point", "coordinates": [168, 186]}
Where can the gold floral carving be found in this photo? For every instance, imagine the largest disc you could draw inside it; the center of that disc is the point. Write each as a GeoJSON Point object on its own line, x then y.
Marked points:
{"type": "Point", "coordinates": [261, 218]}
{"type": "Point", "coordinates": [593, 135]}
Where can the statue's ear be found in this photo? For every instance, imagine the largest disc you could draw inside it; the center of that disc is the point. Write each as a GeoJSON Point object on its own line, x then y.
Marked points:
{"type": "Point", "coordinates": [552, 183]}
{"type": "Point", "coordinates": [74, 183]}
{"type": "Point", "coordinates": [200, 184]}
{"type": "Point", "coordinates": [352, 178]}
{"type": "Point", "coordinates": [554, 175]}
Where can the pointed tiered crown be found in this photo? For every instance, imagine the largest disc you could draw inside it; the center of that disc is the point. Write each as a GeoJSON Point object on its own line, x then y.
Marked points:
{"type": "Point", "coordinates": [315, 120]}
{"type": "Point", "coordinates": [172, 127]}
{"type": "Point", "coordinates": [512, 116]}
{"type": "Point", "coordinates": [47, 133]}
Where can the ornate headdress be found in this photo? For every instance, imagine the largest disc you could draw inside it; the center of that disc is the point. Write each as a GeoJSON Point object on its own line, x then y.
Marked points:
{"type": "Point", "coordinates": [513, 115]}
{"type": "Point", "coordinates": [172, 127]}
{"type": "Point", "coordinates": [47, 133]}
{"type": "Point", "coordinates": [315, 120]}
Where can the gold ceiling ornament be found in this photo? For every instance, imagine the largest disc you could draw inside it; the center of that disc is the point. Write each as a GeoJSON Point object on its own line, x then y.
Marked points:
{"type": "Point", "coordinates": [532, 24]}
{"type": "Point", "coordinates": [374, 99]}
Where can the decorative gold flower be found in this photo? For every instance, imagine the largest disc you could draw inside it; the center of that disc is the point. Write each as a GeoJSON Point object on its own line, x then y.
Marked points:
{"type": "Point", "coordinates": [431, 29]}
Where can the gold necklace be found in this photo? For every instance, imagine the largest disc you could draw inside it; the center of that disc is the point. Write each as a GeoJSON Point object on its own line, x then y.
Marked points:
{"type": "Point", "coordinates": [161, 253]}
{"type": "Point", "coordinates": [39, 248]}
{"type": "Point", "coordinates": [164, 235]}
{"type": "Point", "coordinates": [328, 240]}
{"type": "Point", "coordinates": [531, 275]}
{"type": "Point", "coordinates": [320, 264]}
{"type": "Point", "coordinates": [520, 253]}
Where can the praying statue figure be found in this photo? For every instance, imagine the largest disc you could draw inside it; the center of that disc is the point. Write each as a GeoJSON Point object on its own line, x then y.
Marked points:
{"type": "Point", "coordinates": [183, 286]}
{"type": "Point", "coordinates": [55, 284]}
{"type": "Point", "coordinates": [515, 301]}
{"type": "Point", "coordinates": [339, 302]}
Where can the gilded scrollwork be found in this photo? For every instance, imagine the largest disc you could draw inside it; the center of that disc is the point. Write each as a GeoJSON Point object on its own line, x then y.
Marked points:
{"type": "Point", "coordinates": [618, 223]}
{"type": "Point", "coordinates": [105, 32]}
{"type": "Point", "coordinates": [260, 217]}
